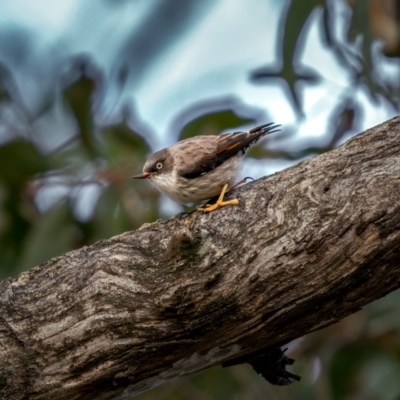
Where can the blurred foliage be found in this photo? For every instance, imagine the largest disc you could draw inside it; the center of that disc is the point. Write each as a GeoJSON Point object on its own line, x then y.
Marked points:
{"type": "Point", "coordinates": [53, 201]}
{"type": "Point", "coordinates": [100, 158]}
{"type": "Point", "coordinates": [213, 123]}
{"type": "Point", "coordinates": [369, 20]}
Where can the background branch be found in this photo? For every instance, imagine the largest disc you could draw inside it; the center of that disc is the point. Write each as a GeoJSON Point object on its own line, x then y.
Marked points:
{"type": "Point", "coordinates": [304, 248]}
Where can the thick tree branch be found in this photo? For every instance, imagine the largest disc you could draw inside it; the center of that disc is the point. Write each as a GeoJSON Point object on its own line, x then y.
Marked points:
{"type": "Point", "coordinates": [304, 248]}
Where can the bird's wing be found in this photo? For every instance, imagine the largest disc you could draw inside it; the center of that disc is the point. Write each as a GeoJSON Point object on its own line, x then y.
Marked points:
{"type": "Point", "coordinates": [196, 156]}
{"type": "Point", "coordinates": [204, 153]}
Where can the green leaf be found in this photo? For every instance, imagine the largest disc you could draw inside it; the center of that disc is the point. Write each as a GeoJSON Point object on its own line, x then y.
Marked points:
{"type": "Point", "coordinates": [120, 145]}
{"type": "Point", "coordinates": [213, 123]}
{"type": "Point", "coordinates": [19, 161]}
{"type": "Point", "coordinates": [78, 97]}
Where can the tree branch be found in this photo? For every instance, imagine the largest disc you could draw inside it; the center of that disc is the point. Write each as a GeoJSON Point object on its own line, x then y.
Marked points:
{"type": "Point", "coordinates": [304, 248]}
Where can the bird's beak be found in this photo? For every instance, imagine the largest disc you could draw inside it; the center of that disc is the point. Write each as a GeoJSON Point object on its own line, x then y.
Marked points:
{"type": "Point", "coordinates": [142, 176]}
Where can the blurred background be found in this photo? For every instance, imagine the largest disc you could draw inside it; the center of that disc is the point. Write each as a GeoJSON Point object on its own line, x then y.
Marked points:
{"type": "Point", "coordinates": [89, 88]}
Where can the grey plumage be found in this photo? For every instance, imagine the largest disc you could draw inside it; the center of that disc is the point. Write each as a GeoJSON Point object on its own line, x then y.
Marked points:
{"type": "Point", "coordinates": [196, 169]}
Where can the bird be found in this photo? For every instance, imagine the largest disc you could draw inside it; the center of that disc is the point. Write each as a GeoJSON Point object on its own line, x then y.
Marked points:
{"type": "Point", "coordinates": [202, 167]}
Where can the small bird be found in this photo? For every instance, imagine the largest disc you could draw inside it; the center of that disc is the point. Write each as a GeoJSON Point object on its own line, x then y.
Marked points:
{"type": "Point", "coordinates": [202, 167]}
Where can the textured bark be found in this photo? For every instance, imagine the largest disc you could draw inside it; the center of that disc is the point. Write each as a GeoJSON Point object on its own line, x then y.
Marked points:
{"type": "Point", "coordinates": [305, 247]}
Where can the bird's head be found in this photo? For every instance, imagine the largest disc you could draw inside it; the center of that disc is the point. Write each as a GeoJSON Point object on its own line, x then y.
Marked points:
{"type": "Point", "coordinates": [158, 164]}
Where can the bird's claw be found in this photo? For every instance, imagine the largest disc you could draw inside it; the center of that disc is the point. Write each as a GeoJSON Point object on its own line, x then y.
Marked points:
{"type": "Point", "coordinates": [211, 207]}
{"type": "Point", "coordinates": [219, 203]}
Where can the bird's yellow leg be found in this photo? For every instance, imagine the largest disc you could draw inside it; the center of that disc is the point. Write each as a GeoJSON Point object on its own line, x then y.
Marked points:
{"type": "Point", "coordinates": [220, 202]}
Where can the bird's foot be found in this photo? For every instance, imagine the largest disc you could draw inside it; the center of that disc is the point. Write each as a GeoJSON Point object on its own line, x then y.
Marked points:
{"type": "Point", "coordinates": [219, 203]}
{"type": "Point", "coordinates": [211, 207]}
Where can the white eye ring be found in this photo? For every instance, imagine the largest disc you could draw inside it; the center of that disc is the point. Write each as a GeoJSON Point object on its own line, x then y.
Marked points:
{"type": "Point", "coordinates": [159, 165]}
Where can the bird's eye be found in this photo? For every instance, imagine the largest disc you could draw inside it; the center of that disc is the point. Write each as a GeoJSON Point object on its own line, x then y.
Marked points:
{"type": "Point", "coordinates": [159, 165]}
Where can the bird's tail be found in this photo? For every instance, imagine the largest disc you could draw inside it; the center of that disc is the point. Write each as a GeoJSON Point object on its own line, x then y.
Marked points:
{"type": "Point", "coordinates": [260, 131]}
{"type": "Point", "coordinates": [231, 144]}
{"type": "Point", "coordinates": [248, 139]}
